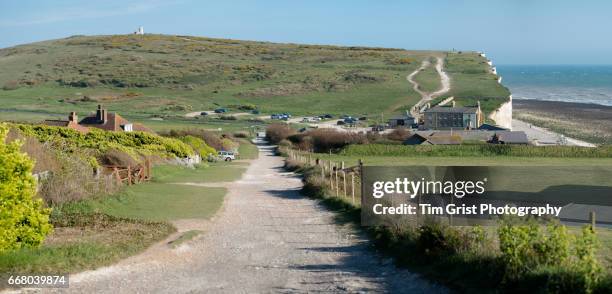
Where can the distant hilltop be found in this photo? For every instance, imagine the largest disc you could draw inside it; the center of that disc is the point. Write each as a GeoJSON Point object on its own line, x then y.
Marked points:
{"type": "Point", "coordinates": [204, 73]}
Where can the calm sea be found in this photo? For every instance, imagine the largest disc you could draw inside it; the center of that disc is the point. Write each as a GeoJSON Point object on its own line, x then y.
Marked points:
{"type": "Point", "coordinates": [575, 83]}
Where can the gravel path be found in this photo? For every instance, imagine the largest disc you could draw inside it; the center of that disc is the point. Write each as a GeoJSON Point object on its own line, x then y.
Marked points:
{"type": "Point", "coordinates": [267, 238]}
{"type": "Point", "coordinates": [426, 97]}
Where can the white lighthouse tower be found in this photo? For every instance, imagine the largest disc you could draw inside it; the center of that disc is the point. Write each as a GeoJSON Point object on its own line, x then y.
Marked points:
{"type": "Point", "coordinates": [140, 31]}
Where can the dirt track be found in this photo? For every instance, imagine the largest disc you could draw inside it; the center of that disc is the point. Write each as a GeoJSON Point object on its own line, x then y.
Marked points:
{"type": "Point", "coordinates": [267, 238]}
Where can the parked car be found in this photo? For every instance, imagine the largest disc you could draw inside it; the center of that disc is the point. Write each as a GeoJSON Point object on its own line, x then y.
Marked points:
{"type": "Point", "coordinates": [203, 113]}
{"type": "Point", "coordinates": [306, 119]}
{"type": "Point", "coordinates": [254, 111]}
{"type": "Point", "coordinates": [315, 119]}
{"type": "Point", "coordinates": [350, 120]}
{"type": "Point", "coordinates": [340, 123]}
{"type": "Point", "coordinates": [226, 155]}
{"type": "Point", "coordinates": [220, 110]}
{"type": "Point", "coordinates": [327, 116]}
{"type": "Point", "coordinates": [274, 116]}
{"type": "Point", "coordinates": [363, 118]}
{"type": "Point", "coordinates": [378, 128]}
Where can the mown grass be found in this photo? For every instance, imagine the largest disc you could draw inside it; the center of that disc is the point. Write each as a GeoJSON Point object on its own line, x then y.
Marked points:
{"type": "Point", "coordinates": [248, 150]}
{"type": "Point", "coordinates": [163, 202]}
{"type": "Point", "coordinates": [204, 173]}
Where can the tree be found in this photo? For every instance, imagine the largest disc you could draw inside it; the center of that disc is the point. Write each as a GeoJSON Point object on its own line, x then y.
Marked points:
{"type": "Point", "coordinates": [24, 222]}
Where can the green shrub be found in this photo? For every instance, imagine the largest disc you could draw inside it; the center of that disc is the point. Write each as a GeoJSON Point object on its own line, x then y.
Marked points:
{"type": "Point", "coordinates": [133, 143]}
{"type": "Point", "coordinates": [23, 220]}
{"type": "Point", "coordinates": [587, 264]}
{"type": "Point", "coordinates": [199, 146]}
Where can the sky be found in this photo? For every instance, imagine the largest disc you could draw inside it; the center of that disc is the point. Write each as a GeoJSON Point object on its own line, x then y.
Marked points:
{"type": "Point", "coordinates": [510, 32]}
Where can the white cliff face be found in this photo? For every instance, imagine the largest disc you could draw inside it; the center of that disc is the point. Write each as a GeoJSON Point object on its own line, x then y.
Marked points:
{"type": "Point", "coordinates": [503, 115]}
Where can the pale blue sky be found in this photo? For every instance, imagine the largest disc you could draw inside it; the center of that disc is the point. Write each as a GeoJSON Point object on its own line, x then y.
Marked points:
{"type": "Point", "coordinates": [511, 31]}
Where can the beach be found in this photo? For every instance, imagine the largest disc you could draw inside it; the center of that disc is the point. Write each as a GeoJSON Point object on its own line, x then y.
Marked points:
{"type": "Point", "coordinates": [584, 121]}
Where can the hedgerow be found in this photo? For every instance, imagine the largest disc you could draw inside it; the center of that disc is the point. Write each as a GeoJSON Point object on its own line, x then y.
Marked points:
{"type": "Point", "coordinates": [476, 150]}
{"type": "Point", "coordinates": [133, 143]}
{"type": "Point", "coordinates": [199, 146]}
{"type": "Point", "coordinates": [23, 220]}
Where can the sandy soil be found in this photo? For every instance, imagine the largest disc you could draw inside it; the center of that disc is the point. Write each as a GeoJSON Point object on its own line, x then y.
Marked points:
{"type": "Point", "coordinates": [268, 238]}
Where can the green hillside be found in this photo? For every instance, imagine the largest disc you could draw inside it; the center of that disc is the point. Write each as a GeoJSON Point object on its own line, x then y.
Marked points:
{"type": "Point", "coordinates": [168, 76]}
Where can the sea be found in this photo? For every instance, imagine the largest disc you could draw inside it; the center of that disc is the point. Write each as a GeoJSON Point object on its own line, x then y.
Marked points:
{"type": "Point", "coordinates": [567, 83]}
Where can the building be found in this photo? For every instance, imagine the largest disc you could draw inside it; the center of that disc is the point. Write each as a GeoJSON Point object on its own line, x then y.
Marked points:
{"type": "Point", "coordinates": [71, 123]}
{"type": "Point", "coordinates": [140, 31]}
{"type": "Point", "coordinates": [102, 119]}
{"type": "Point", "coordinates": [401, 121]}
{"type": "Point", "coordinates": [467, 137]}
{"type": "Point", "coordinates": [451, 117]}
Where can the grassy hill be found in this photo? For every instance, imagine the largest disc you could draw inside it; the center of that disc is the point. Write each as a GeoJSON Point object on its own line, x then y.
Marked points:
{"type": "Point", "coordinates": [167, 76]}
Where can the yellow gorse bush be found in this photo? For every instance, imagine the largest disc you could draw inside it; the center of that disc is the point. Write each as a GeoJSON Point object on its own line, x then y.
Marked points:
{"type": "Point", "coordinates": [23, 220]}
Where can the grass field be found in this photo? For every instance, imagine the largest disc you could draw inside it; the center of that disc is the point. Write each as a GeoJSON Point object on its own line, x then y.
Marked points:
{"type": "Point", "coordinates": [429, 79]}
{"type": "Point", "coordinates": [167, 76]}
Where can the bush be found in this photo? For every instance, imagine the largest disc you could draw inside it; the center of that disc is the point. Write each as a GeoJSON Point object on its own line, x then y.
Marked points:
{"type": "Point", "coordinates": [241, 134]}
{"type": "Point", "coordinates": [477, 150]}
{"type": "Point", "coordinates": [324, 140]}
{"type": "Point", "coordinates": [11, 85]}
{"type": "Point", "coordinates": [116, 157]}
{"type": "Point", "coordinates": [199, 146]}
{"type": "Point", "coordinates": [23, 220]}
{"type": "Point", "coordinates": [399, 134]}
{"type": "Point", "coordinates": [587, 264]}
{"type": "Point", "coordinates": [278, 132]}
{"type": "Point", "coordinates": [134, 143]}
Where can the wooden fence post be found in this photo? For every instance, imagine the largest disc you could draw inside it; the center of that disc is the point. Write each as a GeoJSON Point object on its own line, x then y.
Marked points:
{"type": "Point", "coordinates": [323, 175]}
{"type": "Point", "coordinates": [344, 182]}
{"type": "Point", "coordinates": [353, 186]}
{"type": "Point", "coordinates": [331, 177]}
{"type": "Point", "coordinates": [361, 181]}
{"type": "Point", "coordinates": [337, 185]}
{"type": "Point", "coordinates": [117, 175]}
{"type": "Point", "coordinates": [129, 177]}
{"type": "Point", "coordinates": [592, 219]}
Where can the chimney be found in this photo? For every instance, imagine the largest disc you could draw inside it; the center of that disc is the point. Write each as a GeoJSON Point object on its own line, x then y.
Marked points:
{"type": "Point", "coordinates": [478, 105]}
{"type": "Point", "coordinates": [428, 105]}
{"type": "Point", "coordinates": [73, 117]}
{"type": "Point", "coordinates": [101, 115]}
{"type": "Point", "coordinates": [453, 103]}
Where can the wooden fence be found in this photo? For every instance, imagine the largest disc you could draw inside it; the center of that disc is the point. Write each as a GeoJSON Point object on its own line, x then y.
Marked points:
{"type": "Point", "coordinates": [339, 178]}
{"type": "Point", "coordinates": [128, 175]}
